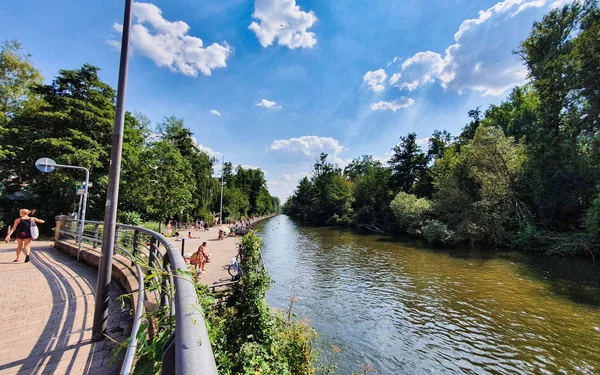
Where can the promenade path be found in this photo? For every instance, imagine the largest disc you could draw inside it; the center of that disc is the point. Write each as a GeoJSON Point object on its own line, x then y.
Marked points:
{"type": "Point", "coordinates": [222, 251]}
{"type": "Point", "coordinates": [46, 315]}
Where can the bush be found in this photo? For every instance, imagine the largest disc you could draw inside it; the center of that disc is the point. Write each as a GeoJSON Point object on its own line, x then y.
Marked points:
{"type": "Point", "coordinates": [344, 220]}
{"type": "Point", "coordinates": [152, 225]}
{"type": "Point", "coordinates": [410, 212]}
{"type": "Point", "coordinates": [129, 218]}
{"type": "Point", "coordinates": [593, 219]}
{"type": "Point", "coordinates": [437, 232]}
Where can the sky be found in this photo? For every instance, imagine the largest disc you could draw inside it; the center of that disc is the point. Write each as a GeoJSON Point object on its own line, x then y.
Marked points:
{"type": "Point", "coordinates": [273, 83]}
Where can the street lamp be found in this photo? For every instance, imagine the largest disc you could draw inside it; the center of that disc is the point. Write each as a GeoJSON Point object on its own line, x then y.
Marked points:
{"type": "Point", "coordinates": [112, 191]}
{"type": "Point", "coordinates": [222, 174]}
{"type": "Point", "coordinates": [47, 165]}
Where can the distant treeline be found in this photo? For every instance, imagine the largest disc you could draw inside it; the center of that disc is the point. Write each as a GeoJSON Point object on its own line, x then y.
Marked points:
{"type": "Point", "coordinates": [164, 172]}
{"type": "Point", "coordinates": [524, 173]}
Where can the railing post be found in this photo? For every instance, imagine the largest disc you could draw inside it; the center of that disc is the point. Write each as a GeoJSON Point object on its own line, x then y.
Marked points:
{"type": "Point", "coordinates": [164, 296]}
{"type": "Point", "coordinates": [96, 230]}
{"type": "Point", "coordinates": [136, 239]}
{"type": "Point", "coordinates": [59, 225]}
{"type": "Point", "coordinates": [152, 258]}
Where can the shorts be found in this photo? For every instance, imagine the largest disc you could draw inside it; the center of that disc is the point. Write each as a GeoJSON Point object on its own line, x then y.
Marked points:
{"type": "Point", "coordinates": [23, 235]}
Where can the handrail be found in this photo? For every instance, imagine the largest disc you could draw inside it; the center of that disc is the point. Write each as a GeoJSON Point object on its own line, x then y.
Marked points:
{"type": "Point", "coordinates": [192, 350]}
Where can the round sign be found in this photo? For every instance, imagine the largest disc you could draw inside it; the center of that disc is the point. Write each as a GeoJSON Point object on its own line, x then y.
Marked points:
{"type": "Point", "coordinates": [45, 165]}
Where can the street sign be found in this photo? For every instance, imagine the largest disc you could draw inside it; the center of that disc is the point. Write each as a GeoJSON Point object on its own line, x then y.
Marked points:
{"type": "Point", "coordinates": [45, 165]}
{"type": "Point", "coordinates": [80, 189]}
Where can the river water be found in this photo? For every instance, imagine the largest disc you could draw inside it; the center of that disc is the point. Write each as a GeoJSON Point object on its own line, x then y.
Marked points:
{"type": "Point", "coordinates": [405, 308]}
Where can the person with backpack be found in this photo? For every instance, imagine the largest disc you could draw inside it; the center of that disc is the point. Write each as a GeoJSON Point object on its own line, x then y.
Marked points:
{"type": "Point", "coordinates": [26, 230]}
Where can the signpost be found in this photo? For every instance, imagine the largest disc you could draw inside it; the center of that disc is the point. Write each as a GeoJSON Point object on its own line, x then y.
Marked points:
{"type": "Point", "coordinates": [47, 165]}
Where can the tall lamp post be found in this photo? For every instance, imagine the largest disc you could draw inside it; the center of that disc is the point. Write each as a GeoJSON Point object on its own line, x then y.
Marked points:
{"type": "Point", "coordinates": [112, 193]}
{"type": "Point", "coordinates": [47, 165]}
{"type": "Point", "coordinates": [222, 174]}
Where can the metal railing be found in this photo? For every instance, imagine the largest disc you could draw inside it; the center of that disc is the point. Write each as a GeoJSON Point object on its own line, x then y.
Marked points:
{"type": "Point", "coordinates": [188, 350]}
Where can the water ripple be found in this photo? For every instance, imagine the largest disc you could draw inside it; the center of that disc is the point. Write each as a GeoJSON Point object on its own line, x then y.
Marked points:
{"type": "Point", "coordinates": [410, 310]}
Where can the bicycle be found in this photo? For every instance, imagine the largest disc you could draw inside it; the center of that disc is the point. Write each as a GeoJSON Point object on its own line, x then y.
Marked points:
{"type": "Point", "coordinates": [235, 268]}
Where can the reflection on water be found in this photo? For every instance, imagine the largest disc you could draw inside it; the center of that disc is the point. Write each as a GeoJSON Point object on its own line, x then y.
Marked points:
{"type": "Point", "coordinates": [407, 309]}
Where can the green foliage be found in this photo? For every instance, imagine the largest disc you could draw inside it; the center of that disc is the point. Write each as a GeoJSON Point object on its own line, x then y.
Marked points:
{"type": "Point", "coordinates": [410, 211]}
{"type": "Point", "coordinates": [248, 337]}
{"type": "Point", "coordinates": [18, 78]}
{"type": "Point", "coordinates": [437, 232]}
{"type": "Point", "coordinates": [170, 183]}
{"type": "Point", "coordinates": [326, 194]}
{"type": "Point", "coordinates": [593, 219]}
{"type": "Point", "coordinates": [152, 225]}
{"type": "Point", "coordinates": [129, 218]}
{"type": "Point", "coordinates": [408, 163]}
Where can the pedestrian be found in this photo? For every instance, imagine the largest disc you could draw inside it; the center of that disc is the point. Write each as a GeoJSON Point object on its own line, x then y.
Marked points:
{"type": "Point", "coordinates": [23, 226]}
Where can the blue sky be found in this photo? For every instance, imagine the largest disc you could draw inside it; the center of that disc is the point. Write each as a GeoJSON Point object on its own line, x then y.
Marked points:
{"type": "Point", "coordinates": [272, 83]}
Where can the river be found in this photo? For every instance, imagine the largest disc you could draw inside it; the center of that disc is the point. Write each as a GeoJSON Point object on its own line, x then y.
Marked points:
{"type": "Point", "coordinates": [406, 308]}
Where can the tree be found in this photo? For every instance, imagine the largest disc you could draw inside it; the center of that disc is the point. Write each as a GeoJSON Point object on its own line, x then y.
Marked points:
{"type": "Point", "coordinates": [372, 192]}
{"type": "Point", "coordinates": [477, 187]}
{"type": "Point", "coordinates": [407, 163]}
{"type": "Point", "coordinates": [171, 185]}
{"type": "Point", "coordinates": [173, 130]}
{"type": "Point", "coordinates": [77, 113]}
{"type": "Point", "coordinates": [18, 78]}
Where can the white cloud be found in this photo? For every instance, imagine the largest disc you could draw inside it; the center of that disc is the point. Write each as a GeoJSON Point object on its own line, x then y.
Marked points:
{"type": "Point", "coordinates": [209, 151]}
{"type": "Point", "coordinates": [268, 104]}
{"type": "Point", "coordinates": [285, 21]}
{"type": "Point", "coordinates": [396, 58]}
{"type": "Point", "coordinates": [423, 142]}
{"type": "Point", "coordinates": [284, 185]}
{"type": "Point", "coordinates": [215, 112]}
{"type": "Point", "coordinates": [311, 146]}
{"type": "Point", "coordinates": [375, 79]}
{"type": "Point", "coordinates": [421, 68]}
{"type": "Point", "coordinates": [481, 57]}
{"type": "Point", "coordinates": [168, 43]}
{"type": "Point", "coordinates": [395, 105]}
{"type": "Point", "coordinates": [246, 166]}
{"type": "Point", "coordinates": [386, 157]}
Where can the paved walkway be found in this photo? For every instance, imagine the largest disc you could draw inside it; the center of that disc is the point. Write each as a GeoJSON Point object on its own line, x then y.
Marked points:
{"type": "Point", "coordinates": [46, 314]}
{"type": "Point", "coordinates": [222, 251]}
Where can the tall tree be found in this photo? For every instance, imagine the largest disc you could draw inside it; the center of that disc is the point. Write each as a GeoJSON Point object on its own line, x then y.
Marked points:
{"type": "Point", "coordinates": [408, 162]}
{"type": "Point", "coordinates": [170, 184]}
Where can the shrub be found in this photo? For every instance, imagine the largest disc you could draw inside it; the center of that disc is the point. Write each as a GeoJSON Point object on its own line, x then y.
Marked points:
{"type": "Point", "coordinates": [152, 225]}
{"type": "Point", "coordinates": [410, 212]}
{"type": "Point", "coordinates": [435, 231]}
{"type": "Point", "coordinates": [344, 220]}
{"type": "Point", "coordinates": [593, 219]}
{"type": "Point", "coordinates": [129, 218]}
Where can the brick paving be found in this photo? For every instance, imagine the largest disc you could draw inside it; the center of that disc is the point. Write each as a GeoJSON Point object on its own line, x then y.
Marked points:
{"type": "Point", "coordinates": [46, 315]}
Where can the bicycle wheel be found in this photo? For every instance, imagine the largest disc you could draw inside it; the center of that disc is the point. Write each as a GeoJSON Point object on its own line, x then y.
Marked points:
{"type": "Point", "coordinates": [233, 270]}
